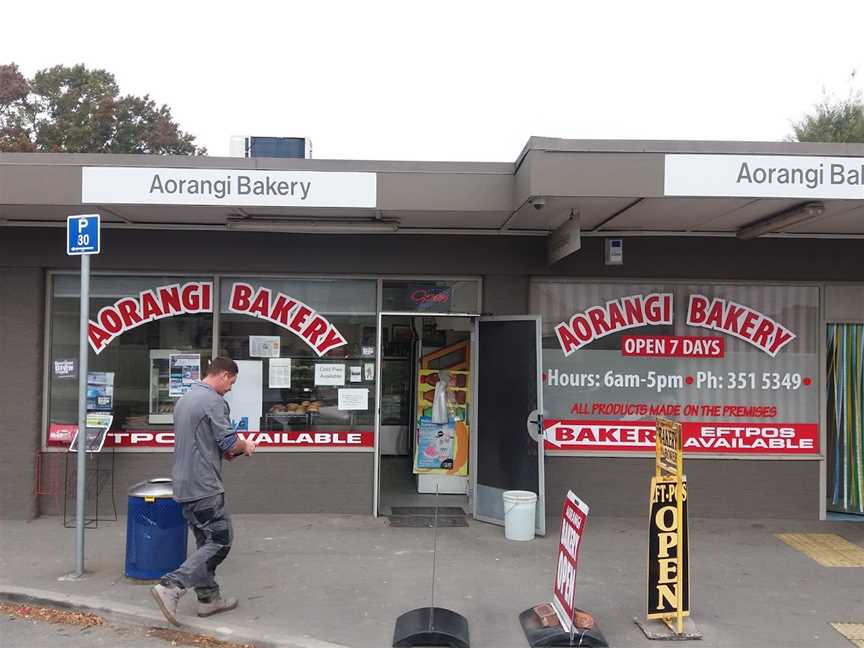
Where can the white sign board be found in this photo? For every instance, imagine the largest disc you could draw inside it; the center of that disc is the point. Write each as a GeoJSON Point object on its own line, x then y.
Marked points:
{"type": "Point", "coordinates": [230, 187]}
{"type": "Point", "coordinates": [280, 373]}
{"type": "Point", "coordinates": [245, 398]}
{"type": "Point", "coordinates": [564, 241]}
{"type": "Point", "coordinates": [329, 374]}
{"type": "Point", "coordinates": [765, 176]}
{"type": "Point", "coordinates": [353, 399]}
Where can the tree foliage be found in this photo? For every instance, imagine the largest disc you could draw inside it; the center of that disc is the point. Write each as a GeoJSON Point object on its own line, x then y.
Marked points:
{"type": "Point", "coordinates": [76, 110]}
{"type": "Point", "coordinates": [833, 121]}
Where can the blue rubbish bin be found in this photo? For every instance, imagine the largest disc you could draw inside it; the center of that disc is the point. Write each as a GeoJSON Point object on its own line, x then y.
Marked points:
{"type": "Point", "coordinates": [155, 530]}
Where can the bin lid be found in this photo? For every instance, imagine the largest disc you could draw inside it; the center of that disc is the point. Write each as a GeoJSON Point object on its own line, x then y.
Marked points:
{"type": "Point", "coordinates": [159, 487]}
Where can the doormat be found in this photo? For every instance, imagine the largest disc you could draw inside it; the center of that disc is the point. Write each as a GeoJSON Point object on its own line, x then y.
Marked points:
{"type": "Point", "coordinates": [828, 549]}
{"type": "Point", "coordinates": [449, 511]}
{"type": "Point", "coordinates": [426, 521]}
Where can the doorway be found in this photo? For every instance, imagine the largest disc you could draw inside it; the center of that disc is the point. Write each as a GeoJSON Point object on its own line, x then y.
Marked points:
{"type": "Point", "coordinates": [426, 413]}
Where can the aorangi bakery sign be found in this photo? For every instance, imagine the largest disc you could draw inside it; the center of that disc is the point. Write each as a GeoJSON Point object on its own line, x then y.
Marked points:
{"type": "Point", "coordinates": [765, 176]}
{"type": "Point", "coordinates": [315, 330]}
{"type": "Point", "coordinates": [738, 365]}
{"type": "Point", "coordinates": [230, 187]}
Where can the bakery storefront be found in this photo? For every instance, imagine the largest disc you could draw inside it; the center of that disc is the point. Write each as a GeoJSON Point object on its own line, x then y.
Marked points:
{"type": "Point", "coordinates": [406, 329]}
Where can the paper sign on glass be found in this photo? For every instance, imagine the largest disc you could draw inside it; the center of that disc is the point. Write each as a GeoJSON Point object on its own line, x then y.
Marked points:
{"type": "Point", "coordinates": [353, 399]}
{"type": "Point", "coordinates": [279, 373]}
{"type": "Point", "coordinates": [329, 374]}
{"type": "Point", "coordinates": [264, 346]}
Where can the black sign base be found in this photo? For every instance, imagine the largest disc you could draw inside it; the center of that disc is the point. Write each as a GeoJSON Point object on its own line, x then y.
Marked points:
{"type": "Point", "coordinates": [431, 626]}
{"type": "Point", "coordinates": [555, 636]}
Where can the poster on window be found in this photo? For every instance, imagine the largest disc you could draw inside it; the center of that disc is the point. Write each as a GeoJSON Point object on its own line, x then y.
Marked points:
{"type": "Point", "coordinates": [183, 370]}
{"type": "Point", "coordinates": [737, 365]}
{"type": "Point", "coordinates": [264, 346]}
{"type": "Point", "coordinates": [100, 391]}
{"type": "Point", "coordinates": [436, 445]}
{"type": "Point", "coordinates": [246, 396]}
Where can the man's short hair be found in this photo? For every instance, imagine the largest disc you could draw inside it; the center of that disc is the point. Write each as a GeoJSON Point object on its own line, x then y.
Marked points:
{"type": "Point", "coordinates": [221, 363]}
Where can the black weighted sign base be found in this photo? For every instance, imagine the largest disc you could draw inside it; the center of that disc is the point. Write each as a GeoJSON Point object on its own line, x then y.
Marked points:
{"type": "Point", "coordinates": [431, 626]}
{"type": "Point", "coordinates": [555, 636]}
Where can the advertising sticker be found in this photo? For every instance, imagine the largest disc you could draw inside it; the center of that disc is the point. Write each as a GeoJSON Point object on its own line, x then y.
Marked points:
{"type": "Point", "coordinates": [183, 370]}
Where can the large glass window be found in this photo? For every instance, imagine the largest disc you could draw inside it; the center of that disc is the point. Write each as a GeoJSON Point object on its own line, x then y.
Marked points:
{"type": "Point", "coordinates": [306, 350]}
{"type": "Point", "coordinates": [149, 337]}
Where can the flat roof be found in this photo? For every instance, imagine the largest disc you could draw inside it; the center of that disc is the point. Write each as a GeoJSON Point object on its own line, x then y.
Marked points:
{"type": "Point", "coordinates": [614, 187]}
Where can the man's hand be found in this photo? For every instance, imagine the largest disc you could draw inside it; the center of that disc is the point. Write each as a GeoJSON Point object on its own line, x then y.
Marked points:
{"type": "Point", "coordinates": [249, 448]}
{"type": "Point", "coordinates": [241, 447]}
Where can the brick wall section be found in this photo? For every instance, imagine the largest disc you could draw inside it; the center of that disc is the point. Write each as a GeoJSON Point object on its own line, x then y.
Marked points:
{"type": "Point", "coordinates": [21, 329]}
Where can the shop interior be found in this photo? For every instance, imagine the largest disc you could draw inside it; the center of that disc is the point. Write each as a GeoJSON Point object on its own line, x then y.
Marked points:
{"type": "Point", "coordinates": [426, 386]}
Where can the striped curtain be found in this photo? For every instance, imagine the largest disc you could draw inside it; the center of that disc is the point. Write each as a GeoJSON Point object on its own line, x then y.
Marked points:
{"type": "Point", "coordinates": [846, 417]}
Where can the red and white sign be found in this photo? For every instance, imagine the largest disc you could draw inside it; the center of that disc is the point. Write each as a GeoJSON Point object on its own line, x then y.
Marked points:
{"type": "Point", "coordinates": [289, 313]}
{"type": "Point", "coordinates": [573, 519]}
{"type": "Point", "coordinates": [130, 312]}
{"type": "Point", "coordinates": [740, 321]}
{"type": "Point", "coordinates": [699, 438]}
{"type": "Point", "coordinates": [672, 346]}
{"type": "Point", "coordinates": [616, 315]}
{"type": "Point", "coordinates": [61, 435]}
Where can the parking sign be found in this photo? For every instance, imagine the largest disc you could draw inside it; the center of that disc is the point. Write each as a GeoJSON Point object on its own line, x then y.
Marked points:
{"type": "Point", "coordinates": [82, 234]}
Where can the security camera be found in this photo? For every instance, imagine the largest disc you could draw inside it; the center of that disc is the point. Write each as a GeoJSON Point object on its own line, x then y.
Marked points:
{"type": "Point", "coordinates": [539, 203]}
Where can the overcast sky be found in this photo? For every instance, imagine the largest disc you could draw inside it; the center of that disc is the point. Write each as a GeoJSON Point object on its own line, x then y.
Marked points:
{"type": "Point", "coordinates": [457, 80]}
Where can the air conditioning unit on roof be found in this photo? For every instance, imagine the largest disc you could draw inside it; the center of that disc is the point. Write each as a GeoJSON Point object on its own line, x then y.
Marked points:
{"type": "Point", "coordinates": [254, 146]}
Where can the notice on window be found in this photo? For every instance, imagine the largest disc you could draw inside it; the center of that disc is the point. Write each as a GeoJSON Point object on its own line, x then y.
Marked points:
{"type": "Point", "coordinates": [264, 346]}
{"type": "Point", "coordinates": [100, 391]}
{"type": "Point", "coordinates": [183, 370]}
{"type": "Point", "coordinates": [353, 399]}
{"type": "Point", "coordinates": [65, 368]}
{"type": "Point", "coordinates": [356, 375]}
{"type": "Point", "coordinates": [369, 371]}
{"type": "Point", "coordinates": [280, 373]}
{"type": "Point", "coordinates": [246, 397]}
{"type": "Point", "coordinates": [329, 374]}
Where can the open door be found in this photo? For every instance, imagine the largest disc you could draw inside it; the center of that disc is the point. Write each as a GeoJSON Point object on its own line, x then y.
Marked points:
{"type": "Point", "coordinates": [509, 437]}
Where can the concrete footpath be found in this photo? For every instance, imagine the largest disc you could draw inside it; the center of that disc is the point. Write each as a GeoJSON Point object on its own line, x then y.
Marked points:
{"type": "Point", "coordinates": [316, 580]}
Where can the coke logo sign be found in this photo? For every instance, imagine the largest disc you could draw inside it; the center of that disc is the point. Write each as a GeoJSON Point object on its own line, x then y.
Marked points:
{"type": "Point", "coordinates": [431, 296]}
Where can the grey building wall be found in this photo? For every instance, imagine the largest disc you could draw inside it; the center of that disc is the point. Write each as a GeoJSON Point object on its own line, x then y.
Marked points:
{"type": "Point", "coordinates": [21, 317]}
{"type": "Point", "coordinates": [717, 488]}
{"type": "Point", "coordinates": [615, 486]}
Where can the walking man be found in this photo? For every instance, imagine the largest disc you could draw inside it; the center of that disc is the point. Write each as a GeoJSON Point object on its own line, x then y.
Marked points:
{"type": "Point", "coordinates": [203, 435]}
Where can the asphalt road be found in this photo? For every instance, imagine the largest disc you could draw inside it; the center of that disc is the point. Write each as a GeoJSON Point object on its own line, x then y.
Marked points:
{"type": "Point", "coordinates": [25, 633]}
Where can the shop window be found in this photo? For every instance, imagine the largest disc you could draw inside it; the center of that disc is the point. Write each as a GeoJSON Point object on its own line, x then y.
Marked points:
{"type": "Point", "coordinates": [149, 338]}
{"type": "Point", "coordinates": [737, 364]}
{"type": "Point", "coordinates": [306, 351]}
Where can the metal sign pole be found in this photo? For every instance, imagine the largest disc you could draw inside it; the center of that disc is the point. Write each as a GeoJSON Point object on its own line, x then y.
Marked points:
{"type": "Point", "coordinates": [80, 487]}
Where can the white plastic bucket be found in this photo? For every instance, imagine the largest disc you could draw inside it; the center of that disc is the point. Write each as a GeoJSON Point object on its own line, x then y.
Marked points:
{"type": "Point", "coordinates": [519, 514]}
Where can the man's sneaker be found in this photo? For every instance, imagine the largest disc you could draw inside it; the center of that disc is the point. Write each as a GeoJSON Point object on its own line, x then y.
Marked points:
{"type": "Point", "coordinates": [167, 599]}
{"type": "Point", "coordinates": [216, 606]}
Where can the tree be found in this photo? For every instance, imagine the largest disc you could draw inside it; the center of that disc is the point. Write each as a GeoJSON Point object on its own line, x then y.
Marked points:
{"type": "Point", "coordinates": [833, 121]}
{"type": "Point", "coordinates": [76, 110]}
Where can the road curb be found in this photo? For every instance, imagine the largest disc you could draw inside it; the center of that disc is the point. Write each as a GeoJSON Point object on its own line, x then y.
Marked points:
{"type": "Point", "coordinates": [131, 614]}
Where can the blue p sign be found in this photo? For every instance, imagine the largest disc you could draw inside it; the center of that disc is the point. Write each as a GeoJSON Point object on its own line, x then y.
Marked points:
{"type": "Point", "coordinates": [82, 234]}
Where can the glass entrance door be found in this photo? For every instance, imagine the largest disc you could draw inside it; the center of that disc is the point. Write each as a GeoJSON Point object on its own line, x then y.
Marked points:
{"type": "Point", "coordinates": [509, 396]}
